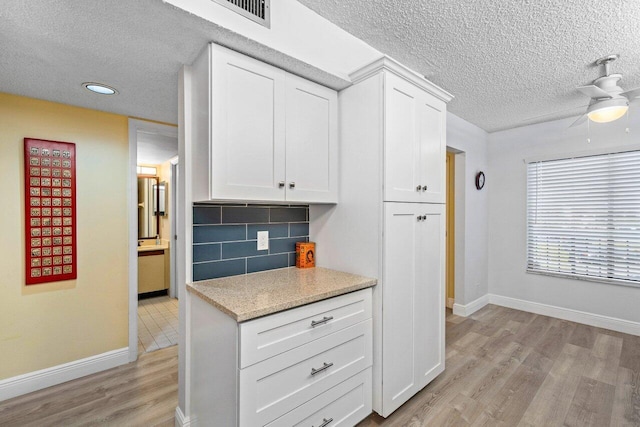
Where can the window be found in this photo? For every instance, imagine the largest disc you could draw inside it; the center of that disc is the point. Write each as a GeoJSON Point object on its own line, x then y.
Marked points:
{"type": "Point", "coordinates": [583, 217]}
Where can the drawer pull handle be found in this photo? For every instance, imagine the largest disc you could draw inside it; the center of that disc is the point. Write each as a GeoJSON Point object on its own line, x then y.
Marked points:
{"type": "Point", "coordinates": [325, 422]}
{"type": "Point", "coordinates": [324, 320]}
{"type": "Point", "coordinates": [324, 367]}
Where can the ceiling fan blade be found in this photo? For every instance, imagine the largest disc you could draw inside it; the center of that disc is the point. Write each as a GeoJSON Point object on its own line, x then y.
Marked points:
{"type": "Point", "coordinates": [580, 120]}
{"type": "Point", "coordinates": [556, 114]}
{"type": "Point", "coordinates": [593, 91]}
{"type": "Point", "coordinates": [631, 94]}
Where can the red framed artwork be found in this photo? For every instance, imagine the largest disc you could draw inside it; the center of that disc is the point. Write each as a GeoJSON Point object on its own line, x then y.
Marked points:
{"type": "Point", "coordinates": [50, 210]}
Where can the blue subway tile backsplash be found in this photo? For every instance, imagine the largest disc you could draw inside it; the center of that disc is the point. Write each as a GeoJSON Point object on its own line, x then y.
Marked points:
{"type": "Point", "coordinates": [219, 233]}
{"type": "Point", "coordinates": [209, 252]}
{"type": "Point", "coordinates": [290, 214]}
{"type": "Point", "coordinates": [216, 269]}
{"type": "Point", "coordinates": [269, 262]}
{"type": "Point", "coordinates": [225, 238]}
{"type": "Point", "coordinates": [244, 214]}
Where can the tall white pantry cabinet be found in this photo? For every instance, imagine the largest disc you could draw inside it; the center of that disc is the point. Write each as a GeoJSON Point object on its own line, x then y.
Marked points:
{"type": "Point", "coordinates": [389, 222]}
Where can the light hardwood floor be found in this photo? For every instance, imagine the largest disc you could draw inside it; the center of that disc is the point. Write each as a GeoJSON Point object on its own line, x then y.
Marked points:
{"type": "Point", "coordinates": [143, 393]}
{"type": "Point", "coordinates": [504, 368]}
{"type": "Point", "coordinates": [510, 368]}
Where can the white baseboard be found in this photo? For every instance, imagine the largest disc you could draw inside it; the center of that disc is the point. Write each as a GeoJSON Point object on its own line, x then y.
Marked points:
{"type": "Point", "coordinates": [472, 307]}
{"type": "Point", "coordinates": [37, 380]}
{"type": "Point", "coordinates": [597, 320]}
{"type": "Point", "coordinates": [181, 420]}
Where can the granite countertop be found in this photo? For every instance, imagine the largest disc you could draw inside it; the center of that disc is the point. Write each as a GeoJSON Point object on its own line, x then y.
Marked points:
{"type": "Point", "coordinates": [253, 295]}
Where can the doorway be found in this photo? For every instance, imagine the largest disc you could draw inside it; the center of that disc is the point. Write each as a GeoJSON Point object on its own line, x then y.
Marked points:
{"type": "Point", "coordinates": [450, 230]}
{"type": "Point", "coordinates": [153, 310]}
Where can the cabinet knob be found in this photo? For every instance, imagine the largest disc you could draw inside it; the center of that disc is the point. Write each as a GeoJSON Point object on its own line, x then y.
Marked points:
{"type": "Point", "coordinates": [281, 184]}
{"type": "Point", "coordinates": [292, 185]}
{"type": "Point", "coordinates": [419, 187]}
{"type": "Point", "coordinates": [424, 188]}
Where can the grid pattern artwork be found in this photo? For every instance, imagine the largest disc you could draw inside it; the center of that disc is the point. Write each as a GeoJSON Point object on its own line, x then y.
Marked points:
{"type": "Point", "coordinates": [50, 211]}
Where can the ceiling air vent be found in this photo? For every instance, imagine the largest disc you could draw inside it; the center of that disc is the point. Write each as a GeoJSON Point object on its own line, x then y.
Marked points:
{"type": "Point", "coordinates": [256, 10]}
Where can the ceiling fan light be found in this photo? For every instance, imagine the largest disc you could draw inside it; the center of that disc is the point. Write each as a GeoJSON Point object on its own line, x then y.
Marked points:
{"type": "Point", "coordinates": [608, 110]}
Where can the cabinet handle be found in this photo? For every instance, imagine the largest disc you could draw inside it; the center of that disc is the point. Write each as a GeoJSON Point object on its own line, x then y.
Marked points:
{"type": "Point", "coordinates": [419, 187]}
{"type": "Point", "coordinates": [424, 188]}
{"type": "Point", "coordinates": [292, 185]}
{"type": "Point", "coordinates": [322, 368]}
{"type": "Point", "coordinates": [281, 184]}
{"type": "Point", "coordinates": [325, 319]}
{"type": "Point", "coordinates": [422, 218]}
{"type": "Point", "coordinates": [325, 422]}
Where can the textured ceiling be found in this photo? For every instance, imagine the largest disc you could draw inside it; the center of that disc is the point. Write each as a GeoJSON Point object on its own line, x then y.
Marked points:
{"type": "Point", "coordinates": [506, 62]}
{"type": "Point", "coordinates": [49, 48]}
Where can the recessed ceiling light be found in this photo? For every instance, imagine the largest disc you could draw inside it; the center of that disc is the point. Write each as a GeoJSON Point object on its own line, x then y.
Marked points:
{"type": "Point", "coordinates": [100, 88]}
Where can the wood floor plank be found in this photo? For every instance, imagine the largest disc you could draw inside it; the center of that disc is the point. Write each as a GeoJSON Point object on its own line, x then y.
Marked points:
{"type": "Point", "coordinates": [630, 353]}
{"type": "Point", "coordinates": [554, 339]}
{"type": "Point", "coordinates": [513, 399]}
{"type": "Point", "coordinates": [551, 403]}
{"type": "Point", "coordinates": [583, 336]}
{"type": "Point", "coordinates": [592, 404]}
{"type": "Point", "coordinates": [533, 331]}
{"type": "Point", "coordinates": [626, 402]}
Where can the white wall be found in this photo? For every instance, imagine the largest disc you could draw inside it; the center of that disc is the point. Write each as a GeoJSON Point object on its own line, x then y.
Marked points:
{"type": "Point", "coordinates": [507, 222]}
{"type": "Point", "coordinates": [472, 209]}
{"type": "Point", "coordinates": [296, 31]}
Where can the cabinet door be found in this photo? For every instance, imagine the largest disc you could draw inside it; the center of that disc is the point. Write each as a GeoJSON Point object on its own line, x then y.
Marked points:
{"type": "Point", "coordinates": [311, 142]}
{"type": "Point", "coordinates": [401, 143]}
{"type": "Point", "coordinates": [432, 136]}
{"type": "Point", "coordinates": [415, 146]}
{"type": "Point", "coordinates": [151, 271]}
{"type": "Point", "coordinates": [429, 298]}
{"type": "Point", "coordinates": [413, 300]}
{"type": "Point", "coordinates": [247, 128]}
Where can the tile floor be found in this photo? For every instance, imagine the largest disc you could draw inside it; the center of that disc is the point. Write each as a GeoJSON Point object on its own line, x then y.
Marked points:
{"type": "Point", "coordinates": [157, 323]}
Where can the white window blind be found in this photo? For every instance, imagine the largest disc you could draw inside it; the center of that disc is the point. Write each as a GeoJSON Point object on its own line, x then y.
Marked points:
{"type": "Point", "coordinates": [583, 217]}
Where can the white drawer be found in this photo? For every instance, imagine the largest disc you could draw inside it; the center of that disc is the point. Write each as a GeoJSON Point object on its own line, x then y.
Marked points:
{"type": "Point", "coordinates": [341, 406]}
{"type": "Point", "coordinates": [280, 384]}
{"type": "Point", "coordinates": [271, 335]}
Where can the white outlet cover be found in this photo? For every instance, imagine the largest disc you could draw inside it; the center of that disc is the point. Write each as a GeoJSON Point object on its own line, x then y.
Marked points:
{"type": "Point", "coordinates": [263, 240]}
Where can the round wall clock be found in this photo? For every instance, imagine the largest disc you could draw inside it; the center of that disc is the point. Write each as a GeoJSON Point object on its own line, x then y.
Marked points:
{"type": "Point", "coordinates": [480, 180]}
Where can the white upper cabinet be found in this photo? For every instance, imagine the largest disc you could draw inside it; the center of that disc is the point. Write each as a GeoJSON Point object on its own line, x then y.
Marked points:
{"type": "Point", "coordinates": [414, 143]}
{"type": "Point", "coordinates": [247, 128]}
{"type": "Point", "coordinates": [271, 136]}
{"type": "Point", "coordinates": [311, 141]}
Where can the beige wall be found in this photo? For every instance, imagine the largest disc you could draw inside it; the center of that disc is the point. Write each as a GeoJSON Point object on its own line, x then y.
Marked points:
{"type": "Point", "coordinates": [50, 324]}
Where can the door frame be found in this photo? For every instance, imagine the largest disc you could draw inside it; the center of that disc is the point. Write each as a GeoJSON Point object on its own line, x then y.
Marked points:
{"type": "Point", "coordinates": [136, 125]}
{"type": "Point", "coordinates": [450, 287]}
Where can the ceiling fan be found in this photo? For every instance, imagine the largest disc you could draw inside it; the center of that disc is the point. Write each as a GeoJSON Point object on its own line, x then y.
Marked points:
{"type": "Point", "coordinates": [609, 101]}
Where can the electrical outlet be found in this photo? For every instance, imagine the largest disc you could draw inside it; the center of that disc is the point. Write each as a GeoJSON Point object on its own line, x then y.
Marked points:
{"type": "Point", "coordinates": [263, 240]}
